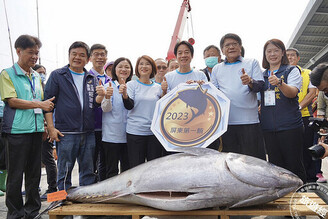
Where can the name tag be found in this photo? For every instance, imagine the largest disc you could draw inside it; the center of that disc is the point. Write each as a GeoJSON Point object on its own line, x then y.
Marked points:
{"type": "Point", "coordinates": [269, 98]}
{"type": "Point", "coordinates": [37, 111]}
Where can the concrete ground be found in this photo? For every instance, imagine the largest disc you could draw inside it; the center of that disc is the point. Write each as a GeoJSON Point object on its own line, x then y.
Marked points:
{"type": "Point", "coordinates": [43, 185]}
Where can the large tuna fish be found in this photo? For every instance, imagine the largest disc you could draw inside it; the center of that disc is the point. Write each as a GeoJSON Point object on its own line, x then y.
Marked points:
{"type": "Point", "coordinates": [198, 178]}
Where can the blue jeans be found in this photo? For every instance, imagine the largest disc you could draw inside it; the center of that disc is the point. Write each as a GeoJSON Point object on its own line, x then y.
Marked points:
{"type": "Point", "coordinates": [72, 147]}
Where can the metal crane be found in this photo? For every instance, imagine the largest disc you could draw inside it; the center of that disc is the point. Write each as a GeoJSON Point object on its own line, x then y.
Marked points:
{"type": "Point", "coordinates": [179, 28]}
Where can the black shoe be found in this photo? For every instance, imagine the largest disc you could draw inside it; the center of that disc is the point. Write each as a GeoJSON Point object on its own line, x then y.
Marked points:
{"type": "Point", "coordinates": [44, 197]}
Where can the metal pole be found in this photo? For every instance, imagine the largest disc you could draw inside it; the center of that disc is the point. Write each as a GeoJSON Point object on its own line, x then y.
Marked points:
{"type": "Point", "coordinates": [38, 25]}
{"type": "Point", "coordinates": [11, 47]}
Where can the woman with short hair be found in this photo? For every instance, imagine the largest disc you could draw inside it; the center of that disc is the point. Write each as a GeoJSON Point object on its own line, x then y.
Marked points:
{"type": "Point", "coordinates": [140, 97]}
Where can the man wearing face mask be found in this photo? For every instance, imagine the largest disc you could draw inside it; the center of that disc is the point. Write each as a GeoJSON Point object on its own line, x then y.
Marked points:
{"type": "Point", "coordinates": [212, 56]}
{"type": "Point", "coordinates": [42, 72]}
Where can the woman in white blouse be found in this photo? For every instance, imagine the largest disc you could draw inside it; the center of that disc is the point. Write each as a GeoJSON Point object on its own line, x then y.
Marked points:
{"type": "Point", "coordinates": [115, 117]}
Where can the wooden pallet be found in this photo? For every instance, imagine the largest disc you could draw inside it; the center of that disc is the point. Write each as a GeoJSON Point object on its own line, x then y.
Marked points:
{"type": "Point", "coordinates": [280, 207]}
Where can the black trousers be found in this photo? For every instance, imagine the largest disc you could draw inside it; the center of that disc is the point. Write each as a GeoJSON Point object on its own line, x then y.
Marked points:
{"type": "Point", "coordinates": [23, 156]}
{"type": "Point", "coordinates": [51, 168]}
{"type": "Point", "coordinates": [244, 139]}
{"type": "Point", "coordinates": [99, 159]}
{"type": "Point", "coordinates": [318, 162]}
{"type": "Point", "coordinates": [114, 154]}
{"type": "Point", "coordinates": [285, 149]}
{"type": "Point", "coordinates": [309, 163]}
{"type": "Point", "coordinates": [142, 147]}
{"type": "Point", "coordinates": [215, 145]}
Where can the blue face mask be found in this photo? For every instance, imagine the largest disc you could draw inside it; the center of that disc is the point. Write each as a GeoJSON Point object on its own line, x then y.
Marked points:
{"type": "Point", "coordinates": [211, 61]}
{"type": "Point", "coordinates": [43, 78]}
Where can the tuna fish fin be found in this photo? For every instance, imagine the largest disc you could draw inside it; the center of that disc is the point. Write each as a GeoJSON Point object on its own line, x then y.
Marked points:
{"type": "Point", "coordinates": [52, 205]}
{"type": "Point", "coordinates": [197, 151]}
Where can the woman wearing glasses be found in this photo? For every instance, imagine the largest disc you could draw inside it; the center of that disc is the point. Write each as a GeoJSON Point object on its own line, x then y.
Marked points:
{"type": "Point", "coordinates": [114, 119]}
{"type": "Point", "coordinates": [281, 119]}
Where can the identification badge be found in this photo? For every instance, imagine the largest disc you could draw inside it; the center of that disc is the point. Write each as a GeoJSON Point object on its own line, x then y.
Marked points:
{"type": "Point", "coordinates": [269, 98]}
{"type": "Point", "coordinates": [37, 110]}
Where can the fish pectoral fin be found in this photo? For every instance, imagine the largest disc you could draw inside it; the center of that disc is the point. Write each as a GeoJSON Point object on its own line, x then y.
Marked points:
{"type": "Point", "coordinates": [240, 165]}
{"type": "Point", "coordinates": [206, 192]}
{"type": "Point", "coordinates": [201, 196]}
{"type": "Point", "coordinates": [211, 196]}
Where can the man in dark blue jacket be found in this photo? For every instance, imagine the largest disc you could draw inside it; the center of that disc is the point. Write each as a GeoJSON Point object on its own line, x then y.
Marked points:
{"type": "Point", "coordinates": [74, 89]}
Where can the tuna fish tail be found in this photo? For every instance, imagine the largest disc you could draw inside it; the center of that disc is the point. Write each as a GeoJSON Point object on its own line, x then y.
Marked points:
{"type": "Point", "coordinates": [53, 205]}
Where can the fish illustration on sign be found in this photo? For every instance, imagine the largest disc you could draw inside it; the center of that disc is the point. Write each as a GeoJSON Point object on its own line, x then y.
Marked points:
{"type": "Point", "coordinates": [194, 98]}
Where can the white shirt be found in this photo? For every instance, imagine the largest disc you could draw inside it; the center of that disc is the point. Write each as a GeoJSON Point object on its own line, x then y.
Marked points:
{"type": "Point", "coordinates": [78, 81]}
{"type": "Point", "coordinates": [114, 117]}
{"type": "Point", "coordinates": [174, 78]}
{"type": "Point", "coordinates": [145, 97]}
{"type": "Point", "coordinates": [243, 101]}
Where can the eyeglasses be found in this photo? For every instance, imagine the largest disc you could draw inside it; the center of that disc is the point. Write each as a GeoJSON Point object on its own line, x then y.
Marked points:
{"type": "Point", "coordinates": [234, 45]}
{"type": "Point", "coordinates": [161, 67]}
{"type": "Point", "coordinates": [102, 55]}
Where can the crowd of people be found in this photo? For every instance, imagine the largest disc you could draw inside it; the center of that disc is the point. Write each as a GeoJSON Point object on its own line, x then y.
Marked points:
{"type": "Point", "coordinates": [101, 118]}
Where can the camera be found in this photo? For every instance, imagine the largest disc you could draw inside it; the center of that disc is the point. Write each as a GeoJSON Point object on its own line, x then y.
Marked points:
{"type": "Point", "coordinates": [318, 124]}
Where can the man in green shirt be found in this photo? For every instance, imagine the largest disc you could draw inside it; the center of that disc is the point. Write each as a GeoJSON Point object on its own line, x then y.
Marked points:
{"type": "Point", "coordinates": [3, 171]}
{"type": "Point", "coordinates": [23, 125]}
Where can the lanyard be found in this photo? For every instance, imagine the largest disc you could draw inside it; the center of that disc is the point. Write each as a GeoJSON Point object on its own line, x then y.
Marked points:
{"type": "Point", "coordinates": [274, 72]}
{"type": "Point", "coordinates": [32, 83]}
{"type": "Point", "coordinates": [100, 79]}
{"type": "Point", "coordinates": [107, 79]}
{"type": "Point", "coordinates": [115, 83]}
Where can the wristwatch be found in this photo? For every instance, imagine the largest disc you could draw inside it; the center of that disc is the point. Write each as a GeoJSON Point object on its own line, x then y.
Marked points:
{"type": "Point", "coordinates": [280, 82]}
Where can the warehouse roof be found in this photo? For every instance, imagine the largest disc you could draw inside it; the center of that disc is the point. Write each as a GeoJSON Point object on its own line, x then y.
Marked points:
{"type": "Point", "coordinates": [310, 36]}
